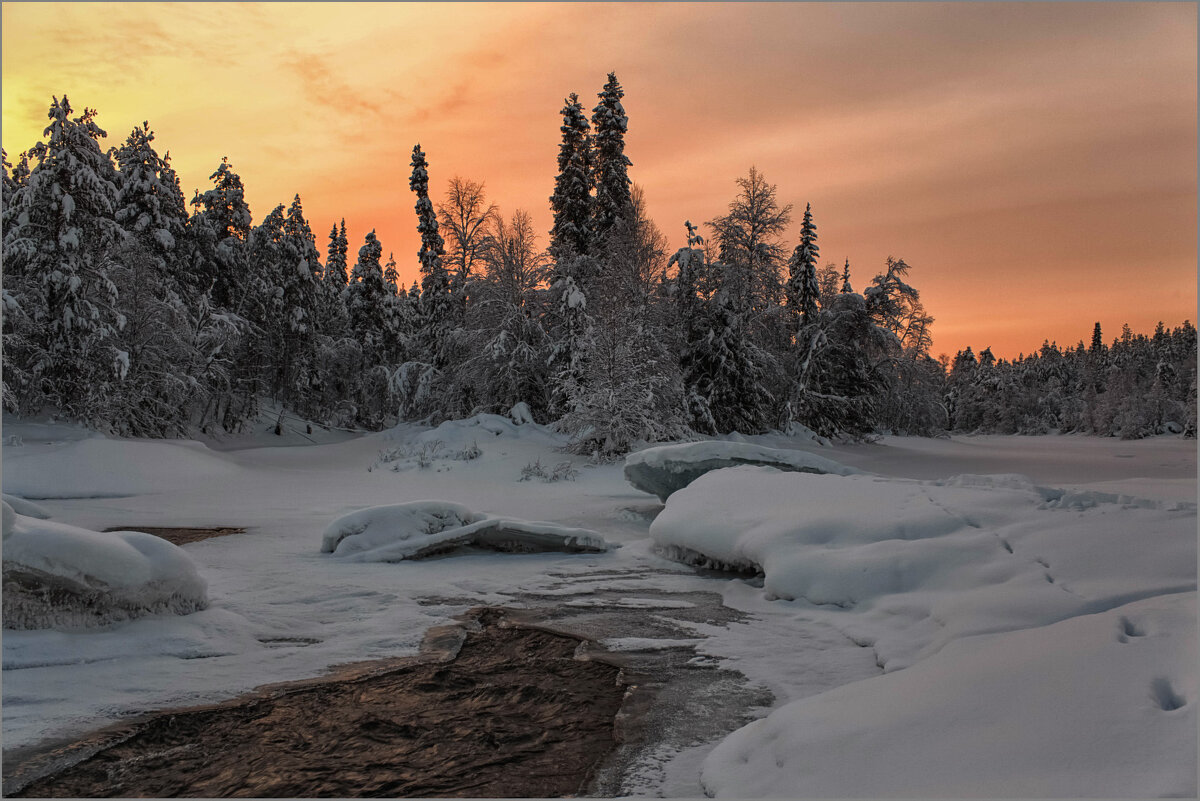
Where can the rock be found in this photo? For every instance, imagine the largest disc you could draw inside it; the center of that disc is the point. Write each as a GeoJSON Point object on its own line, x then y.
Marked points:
{"type": "Point", "coordinates": [426, 528]}
{"type": "Point", "coordinates": [667, 468]}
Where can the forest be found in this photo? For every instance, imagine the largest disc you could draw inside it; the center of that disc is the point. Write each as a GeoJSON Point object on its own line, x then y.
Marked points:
{"type": "Point", "coordinates": [137, 312]}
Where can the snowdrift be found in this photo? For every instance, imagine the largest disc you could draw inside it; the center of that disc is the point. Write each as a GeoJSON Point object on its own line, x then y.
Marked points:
{"type": "Point", "coordinates": [1024, 631]}
{"type": "Point", "coordinates": [664, 469]}
{"type": "Point", "coordinates": [1095, 706]}
{"type": "Point", "coordinates": [60, 576]}
{"type": "Point", "coordinates": [923, 563]}
{"type": "Point", "coordinates": [100, 468]}
{"type": "Point", "coordinates": [427, 528]}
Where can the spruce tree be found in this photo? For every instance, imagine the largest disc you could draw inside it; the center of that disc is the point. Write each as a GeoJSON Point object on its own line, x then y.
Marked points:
{"type": "Point", "coordinates": [611, 178]}
{"type": "Point", "coordinates": [572, 198]}
{"type": "Point", "coordinates": [846, 288]}
{"type": "Point", "coordinates": [802, 291]}
{"type": "Point", "coordinates": [221, 229]}
{"type": "Point", "coordinates": [573, 270]}
{"type": "Point", "coordinates": [335, 260]}
{"type": "Point", "coordinates": [437, 306]}
{"type": "Point", "coordinates": [59, 249]}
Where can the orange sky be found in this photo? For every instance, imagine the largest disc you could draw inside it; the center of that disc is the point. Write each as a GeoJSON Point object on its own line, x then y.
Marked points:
{"type": "Point", "coordinates": [1035, 163]}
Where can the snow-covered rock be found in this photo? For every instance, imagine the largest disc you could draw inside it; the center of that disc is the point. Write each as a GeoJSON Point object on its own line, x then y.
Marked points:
{"type": "Point", "coordinates": [60, 576]}
{"type": "Point", "coordinates": [664, 469]}
{"type": "Point", "coordinates": [426, 528]}
{"type": "Point", "coordinates": [1096, 706]}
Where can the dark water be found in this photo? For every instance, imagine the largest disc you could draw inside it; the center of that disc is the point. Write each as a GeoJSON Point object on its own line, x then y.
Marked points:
{"type": "Point", "coordinates": [513, 715]}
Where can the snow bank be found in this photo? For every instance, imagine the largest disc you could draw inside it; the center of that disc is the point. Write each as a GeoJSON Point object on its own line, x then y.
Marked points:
{"type": "Point", "coordinates": [918, 564]}
{"type": "Point", "coordinates": [1095, 706]}
{"type": "Point", "coordinates": [664, 469]}
{"type": "Point", "coordinates": [57, 575]}
{"type": "Point", "coordinates": [426, 528]}
{"type": "Point", "coordinates": [27, 508]}
{"type": "Point", "coordinates": [99, 468]}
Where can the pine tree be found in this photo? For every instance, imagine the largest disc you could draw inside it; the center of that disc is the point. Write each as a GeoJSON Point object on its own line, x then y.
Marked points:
{"type": "Point", "coordinates": [802, 291]}
{"type": "Point", "coordinates": [846, 288]}
{"type": "Point", "coordinates": [611, 178]}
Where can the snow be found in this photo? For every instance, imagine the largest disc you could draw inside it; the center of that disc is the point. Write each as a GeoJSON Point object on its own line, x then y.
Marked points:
{"type": "Point", "coordinates": [60, 575]}
{"type": "Point", "coordinates": [917, 564]}
{"type": "Point", "coordinates": [23, 507]}
{"type": "Point", "coordinates": [999, 606]}
{"type": "Point", "coordinates": [424, 528]}
{"type": "Point", "coordinates": [664, 469]}
{"type": "Point", "coordinates": [1094, 706]}
{"type": "Point", "coordinates": [96, 468]}
{"type": "Point", "coordinates": [995, 680]}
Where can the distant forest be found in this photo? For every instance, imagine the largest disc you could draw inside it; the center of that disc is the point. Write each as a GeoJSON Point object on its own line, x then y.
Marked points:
{"type": "Point", "coordinates": [124, 310]}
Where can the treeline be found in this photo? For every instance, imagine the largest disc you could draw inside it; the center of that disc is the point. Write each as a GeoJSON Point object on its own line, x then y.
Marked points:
{"type": "Point", "coordinates": [127, 311]}
{"type": "Point", "coordinates": [1136, 387]}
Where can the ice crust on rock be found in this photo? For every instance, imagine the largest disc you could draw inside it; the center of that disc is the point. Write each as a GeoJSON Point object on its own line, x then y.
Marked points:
{"type": "Point", "coordinates": [666, 468]}
{"type": "Point", "coordinates": [61, 576]}
{"type": "Point", "coordinates": [427, 528]}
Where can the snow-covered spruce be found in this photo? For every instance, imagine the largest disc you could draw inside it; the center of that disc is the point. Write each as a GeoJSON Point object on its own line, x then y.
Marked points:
{"type": "Point", "coordinates": [420, 529]}
{"type": "Point", "coordinates": [60, 576]}
{"type": "Point", "coordinates": [664, 469]}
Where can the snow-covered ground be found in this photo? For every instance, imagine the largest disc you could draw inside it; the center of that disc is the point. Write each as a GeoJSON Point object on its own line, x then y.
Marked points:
{"type": "Point", "coordinates": [1062, 663]}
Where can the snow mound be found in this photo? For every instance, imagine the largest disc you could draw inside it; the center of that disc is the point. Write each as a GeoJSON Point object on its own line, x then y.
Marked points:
{"type": "Point", "coordinates": [482, 428]}
{"type": "Point", "coordinates": [427, 528]}
{"type": "Point", "coordinates": [100, 468]}
{"type": "Point", "coordinates": [1115, 692]}
{"type": "Point", "coordinates": [908, 566]}
{"type": "Point", "coordinates": [664, 469]}
{"type": "Point", "coordinates": [60, 576]}
{"type": "Point", "coordinates": [27, 508]}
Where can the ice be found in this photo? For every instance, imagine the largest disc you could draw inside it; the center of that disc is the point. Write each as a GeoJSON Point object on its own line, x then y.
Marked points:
{"type": "Point", "coordinates": [666, 468]}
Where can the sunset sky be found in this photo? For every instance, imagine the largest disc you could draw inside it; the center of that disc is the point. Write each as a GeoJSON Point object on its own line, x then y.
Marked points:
{"type": "Point", "coordinates": [1035, 163]}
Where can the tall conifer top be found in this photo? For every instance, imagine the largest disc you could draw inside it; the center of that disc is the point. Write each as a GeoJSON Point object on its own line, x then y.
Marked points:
{"type": "Point", "coordinates": [613, 198]}
{"type": "Point", "coordinates": [432, 245]}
